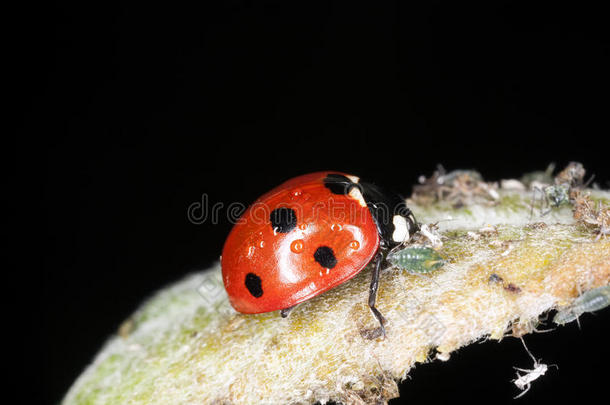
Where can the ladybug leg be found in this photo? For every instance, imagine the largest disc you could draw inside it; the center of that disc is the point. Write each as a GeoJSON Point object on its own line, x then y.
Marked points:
{"type": "Point", "coordinates": [286, 311]}
{"type": "Point", "coordinates": [380, 331]}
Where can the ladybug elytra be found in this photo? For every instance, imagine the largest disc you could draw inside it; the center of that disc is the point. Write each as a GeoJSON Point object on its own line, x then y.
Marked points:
{"type": "Point", "coordinates": [308, 235]}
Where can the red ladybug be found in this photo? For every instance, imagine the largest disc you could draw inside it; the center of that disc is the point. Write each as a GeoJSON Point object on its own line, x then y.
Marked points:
{"type": "Point", "coordinates": [308, 235]}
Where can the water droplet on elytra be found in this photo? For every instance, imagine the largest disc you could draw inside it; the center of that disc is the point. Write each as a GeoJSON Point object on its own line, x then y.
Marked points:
{"type": "Point", "coordinates": [336, 227]}
{"type": "Point", "coordinates": [262, 243]}
{"type": "Point", "coordinates": [354, 244]}
{"type": "Point", "coordinates": [297, 246]}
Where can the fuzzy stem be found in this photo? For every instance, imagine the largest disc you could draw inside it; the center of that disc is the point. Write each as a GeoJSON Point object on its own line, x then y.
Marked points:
{"type": "Point", "coordinates": [187, 345]}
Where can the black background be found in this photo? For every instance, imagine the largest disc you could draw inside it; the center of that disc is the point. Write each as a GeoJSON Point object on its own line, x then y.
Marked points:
{"type": "Point", "coordinates": [136, 111]}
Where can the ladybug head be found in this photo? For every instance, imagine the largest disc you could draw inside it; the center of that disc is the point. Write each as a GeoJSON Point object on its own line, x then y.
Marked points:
{"type": "Point", "coordinates": [395, 221]}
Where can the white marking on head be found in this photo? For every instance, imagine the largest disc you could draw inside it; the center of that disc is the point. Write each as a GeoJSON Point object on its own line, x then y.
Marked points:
{"type": "Point", "coordinates": [401, 229]}
{"type": "Point", "coordinates": [357, 195]}
{"type": "Point", "coordinates": [354, 179]}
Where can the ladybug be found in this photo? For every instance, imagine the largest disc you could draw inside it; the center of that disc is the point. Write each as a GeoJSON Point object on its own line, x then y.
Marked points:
{"type": "Point", "coordinates": [309, 235]}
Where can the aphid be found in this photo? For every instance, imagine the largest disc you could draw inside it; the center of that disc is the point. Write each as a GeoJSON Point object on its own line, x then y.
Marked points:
{"type": "Point", "coordinates": [573, 175]}
{"type": "Point", "coordinates": [416, 259]}
{"type": "Point", "coordinates": [550, 197]}
{"type": "Point", "coordinates": [558, 194]}
{"type": "Point", "coordinates": [592, 300]}
{"type": "Point", "coordinates": [524, 382]}
{"type": "Point", "coordinates": [565, 188]}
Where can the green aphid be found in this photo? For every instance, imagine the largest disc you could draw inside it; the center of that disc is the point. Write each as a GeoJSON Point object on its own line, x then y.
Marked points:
{"type": "Point", "coordinates": [592, 300]}
{"type": "Point", "coordinates": [416, 259]}
{"type": "Point", "coordinates": [558, 194]}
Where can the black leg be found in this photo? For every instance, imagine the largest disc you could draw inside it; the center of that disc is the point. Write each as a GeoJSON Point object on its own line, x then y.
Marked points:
{"type": "Point", "coordinates": [379, 259]}
{"type": "Point", "coordinates": [286, 311]}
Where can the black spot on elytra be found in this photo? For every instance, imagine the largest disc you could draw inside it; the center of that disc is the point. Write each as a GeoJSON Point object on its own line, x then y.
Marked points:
{"type": "Point", "coordinates": [283, 219]}
{"type": "Point", "coordinates": [254, 284]}
{"type": "Point", "coordinates": [326, 257]}
{"type": "Point", "coordinates": [338, 183]}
